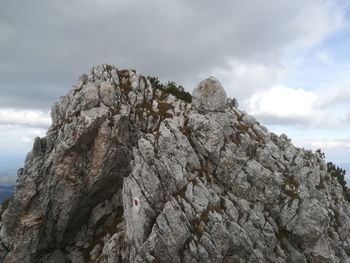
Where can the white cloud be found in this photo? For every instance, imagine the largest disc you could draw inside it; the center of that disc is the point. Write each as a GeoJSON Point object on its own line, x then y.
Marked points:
{"type": "Point", "coordinates": [335, 95]}
{"type": "Point", "coordinates": [324, 57]}
{"type": "Point", "coordinates": [331, 144]}
{"type": "Point", "coordinates": [29, 118]}
{"type": "Point", "coordinates": [29, 135]}
{"type": "Point", "coordinates": [16, 138]}
{"type": "Point", "coordinates": [282, 104]}
{"type": "Point", "coordinates": [317, 21]}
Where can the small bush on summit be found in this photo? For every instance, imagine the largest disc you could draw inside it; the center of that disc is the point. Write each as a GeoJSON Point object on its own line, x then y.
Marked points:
{"type": "Point", "coordinates": [336, 172]}
{"type": "Point", "coordinates": [171, 88]}
{"type": "Point", "coordinates": [339, 173]}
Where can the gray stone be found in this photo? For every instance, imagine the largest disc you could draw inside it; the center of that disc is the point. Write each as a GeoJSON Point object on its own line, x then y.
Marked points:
{"type": "Point", "coordinates": [232, 102]}
{"type": "Point", "coordinates": [209, 95]}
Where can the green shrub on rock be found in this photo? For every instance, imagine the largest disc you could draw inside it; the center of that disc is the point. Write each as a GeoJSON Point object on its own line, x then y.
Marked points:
{"type": "Point", "coordinates": [339, 174]}
{"type": "Point", "coordinates": [171, 88]}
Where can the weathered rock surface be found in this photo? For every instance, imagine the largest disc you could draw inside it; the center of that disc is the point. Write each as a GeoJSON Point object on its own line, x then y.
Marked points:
{"type": "Point", "coordinates": [209, 96]}
{"type": "Point", "coordinates": [127, 173]}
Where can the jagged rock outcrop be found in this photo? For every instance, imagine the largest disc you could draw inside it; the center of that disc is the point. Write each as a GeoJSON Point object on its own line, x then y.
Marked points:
{"type": "Point", "coordinates": [127, 173]}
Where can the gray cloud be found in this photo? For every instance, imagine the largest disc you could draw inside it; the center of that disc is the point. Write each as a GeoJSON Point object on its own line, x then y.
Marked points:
{"type": "Point", "coordinates": [297, 121]}
{"type": "Point", "coordinates": [347, 118]}
{"type": "Point", "coordinates": [48, 44]}
{"type": "Point", "coordinates": [337, 96]}
{"type": "Point", "coordinates": [28, 94]}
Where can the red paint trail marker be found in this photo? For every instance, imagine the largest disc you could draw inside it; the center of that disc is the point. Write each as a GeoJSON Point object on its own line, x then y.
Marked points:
{"type": "Point", "coordinates": [136, 202]}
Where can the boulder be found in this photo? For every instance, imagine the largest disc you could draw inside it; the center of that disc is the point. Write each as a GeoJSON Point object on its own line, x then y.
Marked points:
{"type": "Point", "coordinates": [209, 96]}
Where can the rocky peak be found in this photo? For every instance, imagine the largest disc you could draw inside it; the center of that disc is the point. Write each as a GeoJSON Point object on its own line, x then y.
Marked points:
{"type": "Point", "coordinates": [131, 173]}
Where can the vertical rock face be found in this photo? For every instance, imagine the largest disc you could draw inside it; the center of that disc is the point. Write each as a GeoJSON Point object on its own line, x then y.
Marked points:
{"type": "Point", "coordinates": [128, 173]}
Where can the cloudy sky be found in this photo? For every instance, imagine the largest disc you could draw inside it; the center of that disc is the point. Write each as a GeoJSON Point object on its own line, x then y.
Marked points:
{"type": "Point", "coordinates": [287, 62]}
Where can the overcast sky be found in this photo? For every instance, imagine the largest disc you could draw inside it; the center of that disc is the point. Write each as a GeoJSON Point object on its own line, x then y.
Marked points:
{"type": "Point", "coordinates": [287, 62]}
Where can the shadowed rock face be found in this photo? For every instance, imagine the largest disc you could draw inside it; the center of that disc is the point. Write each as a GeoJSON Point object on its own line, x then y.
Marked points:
{"type": "Point", "coordinates": [127, 173]}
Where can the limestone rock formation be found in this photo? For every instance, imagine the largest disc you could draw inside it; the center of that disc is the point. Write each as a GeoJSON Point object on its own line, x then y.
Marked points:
{"type": "Point", "coordinates": [209, 96]}
{"type": "Point", "coordinates": [128, 173]}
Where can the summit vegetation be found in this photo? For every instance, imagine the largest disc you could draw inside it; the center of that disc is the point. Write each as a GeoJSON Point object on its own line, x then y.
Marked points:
{"type": "Point", "coordinates": [171, 88]}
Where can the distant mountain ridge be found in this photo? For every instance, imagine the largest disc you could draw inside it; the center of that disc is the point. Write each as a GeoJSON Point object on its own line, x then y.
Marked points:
{"type": "Point", "coordinates": [8, 177]}
{"type": "Point", "coordinates": [7, 183]}
{"type": "Point", "coordinates": [6, 191]}
{"type": "Point", "coordinates": [10, 172]}
{"type": "Point", "coordinates": [11, 161]}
